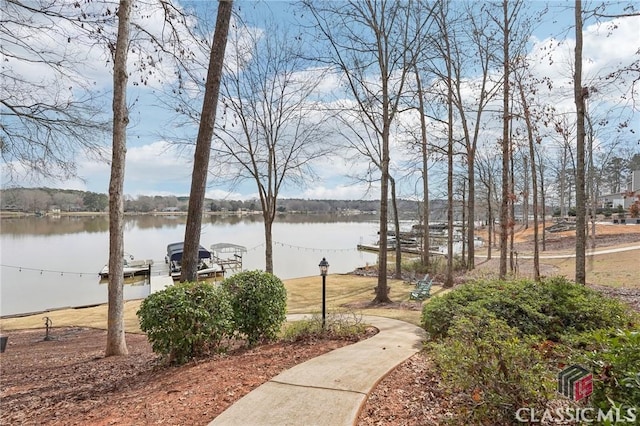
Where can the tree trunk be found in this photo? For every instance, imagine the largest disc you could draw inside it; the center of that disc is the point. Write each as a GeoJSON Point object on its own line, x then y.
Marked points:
{"type": "Point", "coordinates": [464, 218]}
{"type": "Point", "coordinates": [396, 225]}
{"type": "Point", "coordinates": [268, 241]}
{"type": "Point", "coordinates": [534, 183]}
{"type": "Point", "coordinates": [490, 218]}
{"type": "Point", "coordinates": [512, 211]}
{"type": "Point", "coordinates": [579, 94]}
{"type": "Point", "coordinates": [593, 184]}
{"type": "Point", "coordinates": [116, 344]}
{"type": "Point", "coordinates": [544, 208]}
{"type": "Point", "coordinates": [563, 181]}
{"type": "Point", "coordinates": [449, 77]}
{"type": "Point", "coordinates": [425, 180]}
{"type": "Point", "coordinates": [504, 206]}
{"type": "Point", "coordinates": [525, 193]}
{"type": "Point", "coordinates": [203, 143]}
{"type": "Point", "coordinates": [382, 291]}
{"type": "Point", "coordinates": [471, 208]}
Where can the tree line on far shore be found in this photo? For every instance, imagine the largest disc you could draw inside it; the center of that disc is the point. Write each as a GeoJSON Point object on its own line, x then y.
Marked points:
{"type": "Point", "coordinates": [33, 200]}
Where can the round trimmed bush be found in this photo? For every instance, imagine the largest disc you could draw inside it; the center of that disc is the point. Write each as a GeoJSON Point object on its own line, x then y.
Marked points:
{"type": "Point", "coordinates": [186, 320]}
{"type": "Point", "coordinates": [259, 301]}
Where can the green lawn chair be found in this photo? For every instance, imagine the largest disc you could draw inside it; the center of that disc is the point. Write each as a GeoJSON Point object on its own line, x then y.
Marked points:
{"type": "Point", "coordinates": [423, 281]}
{"type": "Point", "coordinates": [422, 290]}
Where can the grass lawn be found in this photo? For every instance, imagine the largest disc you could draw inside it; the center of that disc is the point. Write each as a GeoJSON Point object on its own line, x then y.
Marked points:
{"type": "Point", "coordinates": [612, 270]}
{"type": "Point", "coordinates": [304, 296]}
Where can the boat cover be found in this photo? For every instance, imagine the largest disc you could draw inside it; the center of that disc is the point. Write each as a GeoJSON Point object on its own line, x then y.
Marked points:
{"type": "Point", "coordinates": [174, 252]}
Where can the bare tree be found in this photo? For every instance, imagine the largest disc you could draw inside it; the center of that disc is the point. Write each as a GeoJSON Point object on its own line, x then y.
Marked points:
{"type": "Point", "coordinates": [51, 111]}
{"type": "Point", "coordinates": [580, 93]}
{"type": "Point", "coordinates": [448, 76]}
{"type": "Point", "coordinates": [543, 198]}
{"type": "Point", "coordinates": [203, 143]}
{"type": "Point", "coordinates": [482, 51]}
{"type": "Point", "coordinates": [534, 177]}
{"type": "Point", "coordinates": [272, 129]}
{"type": "Point", "coordinates": [116, 344]}
{"type": "Point", "coordinates": [372, 43]}
{"type": "Point", "coordinates": [425, 171]}
{"type": "Point", "coordinates": [508, 24]}
{"type": "Point", "coordinates": [487, 172]}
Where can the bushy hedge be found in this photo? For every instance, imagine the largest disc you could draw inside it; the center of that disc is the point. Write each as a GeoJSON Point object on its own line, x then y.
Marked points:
{"type": "Point", "coordinates": [493, 369]}
{"type": "Point", "coordinates": [259, 301]}
{"type": "Point", "coordinates": [549, 309]}
{"type": "Point", "coordinates": [186, 320]}
{"type": "Point", "coordinates": [493, 342]}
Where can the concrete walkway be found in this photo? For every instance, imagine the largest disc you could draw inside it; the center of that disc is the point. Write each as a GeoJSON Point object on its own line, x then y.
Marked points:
{"type": "Point", "coordinates": [329, 389]}
{"type": "Point", "coordinates": [588, 252]}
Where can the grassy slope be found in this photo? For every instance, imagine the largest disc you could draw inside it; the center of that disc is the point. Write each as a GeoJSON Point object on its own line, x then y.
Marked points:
{"type": "Point", "coordinates": [304, 296]}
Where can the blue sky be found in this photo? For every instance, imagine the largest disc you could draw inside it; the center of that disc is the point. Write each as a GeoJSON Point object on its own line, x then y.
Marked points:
{"type": "Point", "coordinates": [155, 167]}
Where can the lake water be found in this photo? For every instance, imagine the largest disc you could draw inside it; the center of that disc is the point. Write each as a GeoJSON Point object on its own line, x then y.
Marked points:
{"type": "Point", "coordinates": [53, 262]}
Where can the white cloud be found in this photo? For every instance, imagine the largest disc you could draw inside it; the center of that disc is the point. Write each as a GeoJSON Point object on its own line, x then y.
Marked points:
{"type": "Point", "coordinates": [340, 192]}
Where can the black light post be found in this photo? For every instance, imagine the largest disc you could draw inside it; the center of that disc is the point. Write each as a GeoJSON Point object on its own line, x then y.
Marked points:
{"type": "Point", "coordinates": [324, 268]}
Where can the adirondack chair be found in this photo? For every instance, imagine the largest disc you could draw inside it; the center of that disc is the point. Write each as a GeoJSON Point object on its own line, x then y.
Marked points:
{"type": "Point", "coordinates": [423, 288]}
{"type": "Point", "coordinates": [423, 281]}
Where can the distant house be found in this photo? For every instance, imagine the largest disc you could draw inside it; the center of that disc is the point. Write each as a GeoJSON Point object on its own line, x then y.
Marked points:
{"type": "Point", "coordinates": [624, 198]}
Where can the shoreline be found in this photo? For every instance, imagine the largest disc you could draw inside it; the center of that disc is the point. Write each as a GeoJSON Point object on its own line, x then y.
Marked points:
{"type": "Point", "coordinates": [98, 304]}
{"type": "Point", "coordinates": [4, 214]}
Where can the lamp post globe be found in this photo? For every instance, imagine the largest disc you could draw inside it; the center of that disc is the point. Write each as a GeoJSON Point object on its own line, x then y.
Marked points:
{"type": "Point", "coordinates": [324, 269]}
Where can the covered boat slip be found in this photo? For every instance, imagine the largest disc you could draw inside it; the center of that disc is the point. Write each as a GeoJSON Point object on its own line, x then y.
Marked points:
{"type": "Point", "coordinates": [206, 266]}
{"type": "Point", "coordinates": [228, 255]}
{"type": "Point", "coordinates": [174, 252]}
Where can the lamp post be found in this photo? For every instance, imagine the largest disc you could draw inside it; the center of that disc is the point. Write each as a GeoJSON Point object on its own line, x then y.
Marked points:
{"type": "Point", "coordinates": [324, 268]}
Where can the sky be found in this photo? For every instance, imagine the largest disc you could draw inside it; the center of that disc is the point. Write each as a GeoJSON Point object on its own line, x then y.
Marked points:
{"type": "Point", "coordinates": [154, 166]}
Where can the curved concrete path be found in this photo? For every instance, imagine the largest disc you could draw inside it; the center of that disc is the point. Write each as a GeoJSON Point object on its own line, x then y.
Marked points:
{"type": "Point", "coordinates": [588, 252]}
{"type": "Point", "coordinates": [329, 389]}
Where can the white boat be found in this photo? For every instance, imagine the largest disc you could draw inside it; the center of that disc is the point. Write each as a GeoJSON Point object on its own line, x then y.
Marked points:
{"type": "Point", "coordinates": [131, 268]}
{"type": "Point", "coordinates": [207, 268]}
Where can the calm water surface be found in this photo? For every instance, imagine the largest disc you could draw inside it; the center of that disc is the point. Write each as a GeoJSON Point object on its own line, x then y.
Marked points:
{"type": "Point", "coordinates": [50, 262]}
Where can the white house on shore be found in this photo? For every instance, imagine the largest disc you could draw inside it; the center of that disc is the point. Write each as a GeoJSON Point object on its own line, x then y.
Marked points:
{"type": "Point", "coordinates": [626, 197]}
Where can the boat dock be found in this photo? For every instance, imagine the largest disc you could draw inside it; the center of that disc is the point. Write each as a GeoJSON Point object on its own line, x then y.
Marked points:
{"type": "Point", "coordinates": [233, 252]}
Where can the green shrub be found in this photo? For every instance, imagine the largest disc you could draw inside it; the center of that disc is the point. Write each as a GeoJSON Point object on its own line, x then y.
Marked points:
{"type": "Point", "coordinates": [576, 308]}
{"type": "Point", "coordinates": [495, 369]}
{"type": "Point", "coordinates": [615, 362]}
{"type": "Point", "coordinates": [186, 320]}
{"type": "Point", "coordinates": [518, 303]}
{"type": "Point", "coordinates": [549, 309]}
{"type": "Point", "coordinates": [259, 301]}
